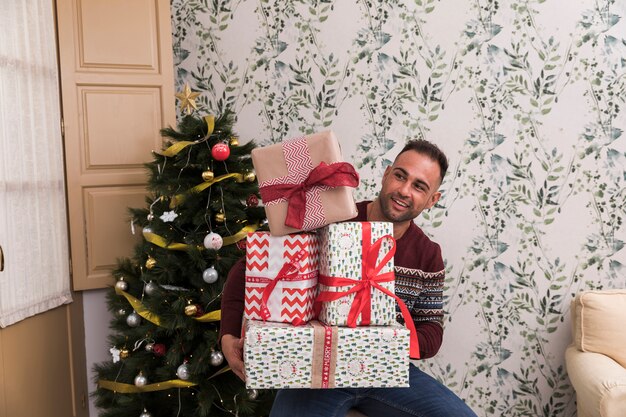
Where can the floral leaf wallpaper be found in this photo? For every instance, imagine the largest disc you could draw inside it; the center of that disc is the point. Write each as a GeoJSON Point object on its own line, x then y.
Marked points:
{"type": "Point", "coordinates": [526, 97]}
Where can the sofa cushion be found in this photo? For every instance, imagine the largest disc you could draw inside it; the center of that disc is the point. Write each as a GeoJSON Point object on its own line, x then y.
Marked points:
{"type": "Point", "coordinates": [599, 323]}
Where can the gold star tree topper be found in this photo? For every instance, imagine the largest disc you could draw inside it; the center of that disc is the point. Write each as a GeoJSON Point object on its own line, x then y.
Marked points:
{"type": "Point", "coordinates": [187, 99]}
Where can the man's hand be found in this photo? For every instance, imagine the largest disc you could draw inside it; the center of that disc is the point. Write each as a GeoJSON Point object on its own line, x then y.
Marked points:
{"type": "Point", "coordinates": [232, 348]}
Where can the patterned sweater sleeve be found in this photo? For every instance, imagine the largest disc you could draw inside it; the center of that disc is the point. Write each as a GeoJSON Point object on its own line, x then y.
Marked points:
{"type": "Point", "coordinates": [422, 293]}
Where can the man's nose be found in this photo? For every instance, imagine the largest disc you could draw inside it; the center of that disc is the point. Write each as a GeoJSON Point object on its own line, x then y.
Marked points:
{"type": "Point", "coordinates": [405, 189]}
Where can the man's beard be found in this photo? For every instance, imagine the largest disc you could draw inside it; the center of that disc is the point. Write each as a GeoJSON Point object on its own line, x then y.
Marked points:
{"type": "Point", "coordinates": [385, 204]}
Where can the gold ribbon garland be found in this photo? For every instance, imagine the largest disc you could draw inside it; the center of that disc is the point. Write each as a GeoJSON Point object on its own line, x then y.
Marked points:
{"type": "Point", "coordinates": [215, 315]}
{"type": "Point", "coordinates": [228, 240]}
{"type": "Point", "coordinates": [157, 386]}
{"type": "Point", "coordinates": [159, 241]}
{"type": "Point", "coordinates": [139, 307]}
{"type": "Point", "coordinates": [179, 198]}
{"type": "Point", "coordinates": [133, 389]}
{"type": "Point", "coordinates": [179, 146]}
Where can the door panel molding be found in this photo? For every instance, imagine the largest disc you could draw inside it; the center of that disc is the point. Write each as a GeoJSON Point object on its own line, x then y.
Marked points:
{"type": "Point", "coordinates": [117, 84]}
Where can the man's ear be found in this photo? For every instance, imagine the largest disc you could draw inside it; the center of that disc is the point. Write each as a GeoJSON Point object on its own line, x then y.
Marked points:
{"type": "Point", "coordinates": [433, 199]}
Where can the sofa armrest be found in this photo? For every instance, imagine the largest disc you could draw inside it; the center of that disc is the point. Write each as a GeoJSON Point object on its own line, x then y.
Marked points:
{"type": "Point", "coordinates": [599, 381]}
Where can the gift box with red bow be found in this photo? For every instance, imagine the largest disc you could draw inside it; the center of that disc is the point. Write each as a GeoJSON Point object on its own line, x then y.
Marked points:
{"type": "Point", "coordinates": [356, 277]}
{"type": "Point", "coordinates": [281, 277]}
{"type": "Point", "coordinates": [304, 184]}
{"type": "Point", "coordinates": [356, 265]}
{"type": "Point", "coordinates": [279, 355]}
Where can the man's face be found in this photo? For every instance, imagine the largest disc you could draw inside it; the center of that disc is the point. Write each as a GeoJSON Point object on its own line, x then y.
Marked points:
{"type": "Point", "coordinates": [409, 186]}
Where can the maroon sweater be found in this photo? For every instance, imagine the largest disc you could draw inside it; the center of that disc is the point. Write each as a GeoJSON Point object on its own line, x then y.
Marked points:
{"type": "Point", "coordinates": [419, 283]}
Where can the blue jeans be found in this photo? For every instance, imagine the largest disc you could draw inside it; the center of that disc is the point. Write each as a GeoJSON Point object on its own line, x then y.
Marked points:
{"type": "Point", "coordinates": [425, 397]}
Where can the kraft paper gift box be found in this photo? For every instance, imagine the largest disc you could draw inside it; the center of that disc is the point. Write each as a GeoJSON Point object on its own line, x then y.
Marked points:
{"type": "Point", "coordinates": [281, 277]}
{"type": "Point", "coordinates": [304, 184]}
{"type": "Point", "coordinates": [279, 355]}
{"type": "Point", "coordinates": [352, 253]}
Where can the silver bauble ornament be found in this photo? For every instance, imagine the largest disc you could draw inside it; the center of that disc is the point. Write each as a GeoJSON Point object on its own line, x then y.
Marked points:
{"type": "Point", "coordinates": [150, 217]}
{"type": "Point", "coordinates": [216, 358]}
{"type": "Point", "coordinates": [121, 285]}
{"type": "Point", "coordinates": [213, 241]}
{"type": "Point", "coordinates": [141, 380]}
{"type": "Point", "coordinates": [149, 346]}
{"type": "Point", "coordinates": [145, 413]}
{"type": "Point", "coordinates": [183, 372]}
{"type": "Point", "coordinates": [209, 275]}
{"type": "Point", "coordinates": [253, 394]}
{"type": "Point", "coordinates": [151, 288]}
{"type": "Point", "coordinates": [133, 319]}
{"type": "Point", "coordinates": [146, 230]}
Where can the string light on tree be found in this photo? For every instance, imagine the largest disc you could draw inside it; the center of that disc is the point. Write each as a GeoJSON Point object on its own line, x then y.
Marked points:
{"type": "Point", "coordinates": [145, 413]}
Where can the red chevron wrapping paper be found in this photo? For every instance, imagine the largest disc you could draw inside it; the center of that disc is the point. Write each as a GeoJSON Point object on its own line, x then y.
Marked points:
{"type": "Point", "coordinates": [291, 299]}
{"type": "Point", "coordinates": [291, 162]}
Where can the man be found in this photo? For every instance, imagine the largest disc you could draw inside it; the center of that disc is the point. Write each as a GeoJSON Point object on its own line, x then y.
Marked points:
{"type": "Point", "coordinates": [409, 186]}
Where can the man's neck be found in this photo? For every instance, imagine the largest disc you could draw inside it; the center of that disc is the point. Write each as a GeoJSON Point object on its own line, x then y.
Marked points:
{"type": "Point", "coordinates": [375, 214]}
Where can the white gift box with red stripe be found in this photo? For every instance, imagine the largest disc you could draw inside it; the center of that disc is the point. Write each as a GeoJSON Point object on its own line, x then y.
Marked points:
{"type": "Point", "coordinates": [279, 355]}
{"type": "Point", "coordinates": [281, 277]}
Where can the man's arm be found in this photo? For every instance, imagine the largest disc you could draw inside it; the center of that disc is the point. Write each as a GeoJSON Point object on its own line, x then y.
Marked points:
{"type": "Point", "coordinates": [232, 314]}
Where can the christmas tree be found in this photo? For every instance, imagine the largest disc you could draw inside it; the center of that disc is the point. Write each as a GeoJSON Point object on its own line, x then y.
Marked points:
{"type": "Point", "coordinates": [166, 302]}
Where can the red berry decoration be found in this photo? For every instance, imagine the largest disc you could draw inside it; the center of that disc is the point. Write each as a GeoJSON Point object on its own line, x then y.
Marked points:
{"type": "Point", "coordinates": [220, 151]}
{"type": "Point", "coordinates": [159, 349]}
{"type": "Point", "coordinates": [252, 200]}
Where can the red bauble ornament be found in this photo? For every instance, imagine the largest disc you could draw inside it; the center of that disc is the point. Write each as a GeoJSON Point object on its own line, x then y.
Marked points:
{"type": "Point", "coordinates": [241, 245]}
{"type": "Point", "coordinates": [252, 200]}
{"type": "Point", "coordinates": [220, 151]}
{"type": "Point", "coordinates": [159, 349]}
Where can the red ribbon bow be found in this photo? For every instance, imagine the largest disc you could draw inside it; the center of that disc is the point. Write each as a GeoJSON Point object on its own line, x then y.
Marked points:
{"type": "Point", "coordinates": [371, 277]}
{"type": "Point", "coordinates": [289, 270]}
{"type": "Point", "coordinates": [333, 175]}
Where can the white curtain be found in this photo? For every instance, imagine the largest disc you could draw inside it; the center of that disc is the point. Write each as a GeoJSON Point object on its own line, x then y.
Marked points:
{"type": "Point", "coordinates": [33, 222]}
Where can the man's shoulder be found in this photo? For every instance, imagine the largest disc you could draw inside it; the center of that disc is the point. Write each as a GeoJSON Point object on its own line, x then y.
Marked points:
{"type": "Point", "coordinates": [415, 250]}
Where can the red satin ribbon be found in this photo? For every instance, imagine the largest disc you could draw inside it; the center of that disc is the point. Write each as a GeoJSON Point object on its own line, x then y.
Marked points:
{"type": "Point", "coordinates": [371, 277]}
{"type": "Point", "coordinates": [333, 175]}
{"type": "Point", "coordinates": [289, 270]}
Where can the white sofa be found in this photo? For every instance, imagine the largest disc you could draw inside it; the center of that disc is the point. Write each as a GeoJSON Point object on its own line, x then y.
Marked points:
{"type": "Point", "coordinates": [596, 360]}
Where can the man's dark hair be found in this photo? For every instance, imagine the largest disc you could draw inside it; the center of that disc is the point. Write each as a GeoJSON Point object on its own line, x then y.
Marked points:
{"type": "Point", "coordinates": [430, 150]}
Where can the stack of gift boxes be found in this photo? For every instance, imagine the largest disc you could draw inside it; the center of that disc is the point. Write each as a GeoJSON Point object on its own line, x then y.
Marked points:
{"type": "Point", "coordinates": [320, 309]}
